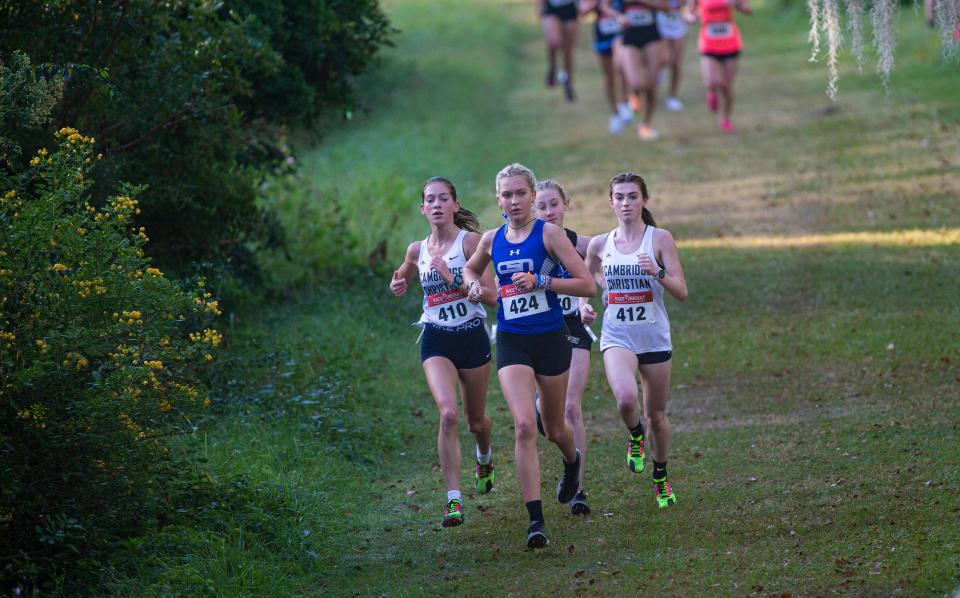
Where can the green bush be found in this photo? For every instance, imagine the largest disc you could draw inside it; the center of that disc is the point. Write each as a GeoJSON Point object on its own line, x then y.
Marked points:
{"type": "Point", "coordinates": [191, 99]}
{"type": "Point", "coordinates": [99, 357]}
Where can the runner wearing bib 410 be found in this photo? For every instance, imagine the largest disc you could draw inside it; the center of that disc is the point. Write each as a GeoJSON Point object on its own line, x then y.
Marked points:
{"type": "Point", "coordinates": [442, 305]}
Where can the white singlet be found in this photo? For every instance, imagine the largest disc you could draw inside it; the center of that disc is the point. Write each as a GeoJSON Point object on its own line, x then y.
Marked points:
{"type": "Point", "coordinates": [443, 304]}
{"type": "Point", "coordinates": [635, 318]}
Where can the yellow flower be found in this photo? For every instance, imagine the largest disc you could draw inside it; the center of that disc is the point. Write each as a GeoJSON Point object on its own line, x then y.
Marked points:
{"type": "Point", "coordinates": [58, 267]}
{"type": "Point", "coordinates": [208, 357]}
{"type": "Point", "coordinates": [42, 345]}
{"type": "Point", "coordinates": [165, 406]}
{"type": "Point", "coordinates": [154, 272]}
{"type": "Point", "coordinates": [81, 231]}
{"type": "Point", "coordinates": [35, 161]}
{"type": "Point", "coordinates": [154, 365]}
{"type": "Point", "coordinates": [42, 151]}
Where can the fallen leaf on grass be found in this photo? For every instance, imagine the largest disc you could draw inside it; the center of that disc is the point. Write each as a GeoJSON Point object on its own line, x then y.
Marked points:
{"type": "Point", "coordinates": [411, 491]}
{"type": "Point", "coordinates": [414, 508]}
{"type": "Point", "coordinates": [571, 548]}
{"type": "Point", "coordinates": [579, 573]}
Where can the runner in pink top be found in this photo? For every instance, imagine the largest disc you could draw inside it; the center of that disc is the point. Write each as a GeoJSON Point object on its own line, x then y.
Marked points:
{"type": "Point", "coordinates": [720, 45]}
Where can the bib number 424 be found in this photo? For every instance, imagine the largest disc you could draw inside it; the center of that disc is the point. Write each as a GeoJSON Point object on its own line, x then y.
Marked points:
{"type": "Point", "coordinates": [521, 305]}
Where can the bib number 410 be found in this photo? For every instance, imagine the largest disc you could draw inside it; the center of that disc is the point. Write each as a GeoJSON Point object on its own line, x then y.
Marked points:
{"type": "Point", "coordinates": [452, 312]}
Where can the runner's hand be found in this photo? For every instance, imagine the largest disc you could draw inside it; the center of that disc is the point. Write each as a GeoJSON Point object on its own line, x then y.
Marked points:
{"type": "Point", "coordinates": [588, 315]}
{"type": "Point", "coordinates": [647, 263]}
{"type": "Point", "coordinates": [442, 269]}
{"type": "Point", "coordinates": [398, 286]}
{"type": "Point", "coordinates": [524, 281]}
{"type": "Point", "coordinates": [474, 292]}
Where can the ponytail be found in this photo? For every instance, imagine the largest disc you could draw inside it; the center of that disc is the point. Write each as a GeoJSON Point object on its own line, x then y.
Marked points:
{"type": "Point", "coordinates": [467, 220]}
{"type": "Point", "coordinates": [647, 217]}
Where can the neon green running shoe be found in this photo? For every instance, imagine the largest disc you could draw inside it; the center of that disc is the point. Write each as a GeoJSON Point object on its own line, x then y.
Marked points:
{"type": "Point", "coordinates": [485, 477]}
{"type": "Point", "coordinates": [635, 454]}
{"type": "Point", "coordinates": [453, 514]}
{"type": "Point", "coordinates": [665, 496]}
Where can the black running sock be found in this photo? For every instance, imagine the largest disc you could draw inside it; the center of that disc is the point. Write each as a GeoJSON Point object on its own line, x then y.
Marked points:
{"type": "Point", "coordinates": [659, 470]}
{"type": "Point", "coordinates": [535, 509]}
{"type": "Point", "coordinates": [571, 467]}
{"type": "Point", "coordinates": [638, 430]}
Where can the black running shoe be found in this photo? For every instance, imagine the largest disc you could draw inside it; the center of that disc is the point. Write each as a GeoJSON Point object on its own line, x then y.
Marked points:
{"type": "Point", "coordinates": [570, 482]}
{"type": "Point", "coordinates": [568, 91]}
{"type": "Point", "coordinates": [579, 506]}
{"type": "Point", "coordinates": [551, 77]}
{"type": "Point", "coordinates": [536, 405]}
{"type": "Point", "coordinates": [537, 535]}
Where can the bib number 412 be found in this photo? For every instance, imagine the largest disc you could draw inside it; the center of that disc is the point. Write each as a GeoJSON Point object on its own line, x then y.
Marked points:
{"type": "Point", "coordinates": [631, 314]}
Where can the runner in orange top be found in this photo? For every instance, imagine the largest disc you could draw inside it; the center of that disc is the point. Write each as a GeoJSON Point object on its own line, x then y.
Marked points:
{"type": "Point", "coordinates": [720, 45]}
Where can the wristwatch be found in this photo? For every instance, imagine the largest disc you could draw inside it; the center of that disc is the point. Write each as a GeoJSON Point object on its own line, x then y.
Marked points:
{"type": "Point", "coordinates": [661, 273]}
{"type": "Point", "coordinates": [457, 280]}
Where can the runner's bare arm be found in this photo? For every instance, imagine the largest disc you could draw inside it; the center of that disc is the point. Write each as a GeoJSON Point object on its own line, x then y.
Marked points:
{"type": "Point", "coordinates": [559, 246]}
{"type": "Point", "coordinates": [473, 271]}
{"type": "Point", "coordinates": [487, 283]}
{"type": "Point", "coordinates": [406, 271]}
{"type": "Point", "coordinates": [583, 242]}
{"type": "Point", "coordinates": [674, 281]}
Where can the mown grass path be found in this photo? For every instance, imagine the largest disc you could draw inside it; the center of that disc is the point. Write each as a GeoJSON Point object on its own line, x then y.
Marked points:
{"type": "Point", "coordinates": [815, 405]}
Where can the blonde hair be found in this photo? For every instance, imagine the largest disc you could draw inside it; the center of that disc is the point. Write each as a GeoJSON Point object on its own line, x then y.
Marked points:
{"type": "Point", "coordinates": [553, 184]}
{"type": "Point", "coordinates": [517, 169]}
{"type": "Point", "coordinates": [629, 177]}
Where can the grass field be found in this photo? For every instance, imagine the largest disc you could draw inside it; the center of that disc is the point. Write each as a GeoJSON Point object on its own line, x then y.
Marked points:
{"type": "Point", "coordinates": [815, 404]}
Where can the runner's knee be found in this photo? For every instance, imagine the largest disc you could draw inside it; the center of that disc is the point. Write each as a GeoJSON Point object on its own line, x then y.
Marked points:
{"type": "Point", "coordinates": [448, 419]}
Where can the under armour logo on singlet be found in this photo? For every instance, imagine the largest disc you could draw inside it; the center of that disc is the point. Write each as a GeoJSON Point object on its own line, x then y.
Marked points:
{"type": "Point", "coordinates": [514, 252]}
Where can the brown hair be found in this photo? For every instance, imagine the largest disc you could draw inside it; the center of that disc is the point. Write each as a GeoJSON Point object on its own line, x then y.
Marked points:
{"type": "Point", "coordinates": [629, 177]}
{"type": "Point", "coordinates": [462, 218]}
{"type": "Point", "coordinates": [553, 184]}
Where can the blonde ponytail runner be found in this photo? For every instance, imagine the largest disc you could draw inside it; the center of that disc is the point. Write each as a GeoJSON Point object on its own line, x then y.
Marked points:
{"type": "Point", "coordinates": [630, 177]}
{"type": "Point", "coordinates": [553, 184]}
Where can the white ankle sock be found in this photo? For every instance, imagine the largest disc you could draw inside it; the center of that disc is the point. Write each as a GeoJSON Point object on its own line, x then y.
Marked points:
{"type": "Point", "coordinates": [484, 458]}
{"type": "Point", "coordinates": [453, 495]}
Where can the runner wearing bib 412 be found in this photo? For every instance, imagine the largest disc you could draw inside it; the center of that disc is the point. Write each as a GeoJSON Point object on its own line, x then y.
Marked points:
{"type": "Point", "coordinates": [635, 318]}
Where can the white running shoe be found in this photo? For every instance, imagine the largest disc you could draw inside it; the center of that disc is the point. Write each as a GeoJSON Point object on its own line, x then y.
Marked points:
{"type": "Point", "coordinates": [562, 77]}
{"type": "Point", "coordinates": [673, 104]}
{"type": "Point", "coordinates": [616, 125]}
{"type": "Point", "coordinates": [626, 114]}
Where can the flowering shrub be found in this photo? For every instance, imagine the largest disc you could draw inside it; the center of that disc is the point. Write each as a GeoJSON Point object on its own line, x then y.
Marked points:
{"type": "Point", "coordinates": [99, 353]}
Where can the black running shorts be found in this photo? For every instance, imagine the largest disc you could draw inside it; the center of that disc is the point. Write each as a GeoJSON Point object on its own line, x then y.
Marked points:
{"type": "Point", "coordinates": [577, 333]}
{"type": "Point", "coordinates": [467, 345]}
{"type": "Point", "coordinates": [548, 353]}
{"type": "Point", "coordinates": [639, 37]}
{"type": "Point", "coordinates": [721, 57]}
{"type": "Point", "coordinates": [566, 12]}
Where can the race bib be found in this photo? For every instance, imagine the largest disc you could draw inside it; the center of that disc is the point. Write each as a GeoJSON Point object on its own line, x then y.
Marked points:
{"type": "Point", "coordinates": [631, 308]}
{"type": "Point", "coordinates": [639, 17]}
{"type": "Point", "coordinates": [608, 26]}
{"type": "Point", "coordinates": [449, 307]}
{"type": "Point", "coordinates": [520, 304]}
{"type": "Point", "coordinates": [719, 30]}
{"type": "Point", "coordinates": [569, 305]}
{"type": "Point", "coordinates": [672, 17]}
